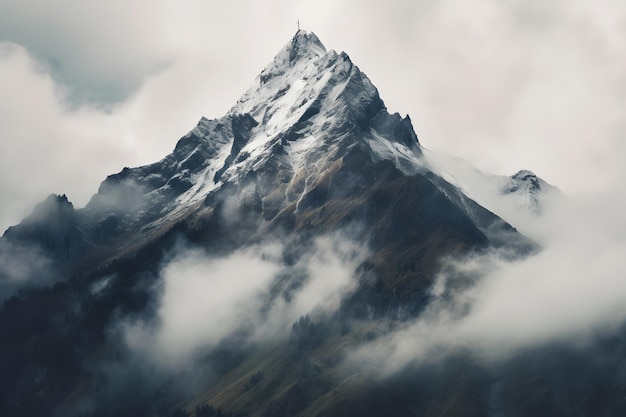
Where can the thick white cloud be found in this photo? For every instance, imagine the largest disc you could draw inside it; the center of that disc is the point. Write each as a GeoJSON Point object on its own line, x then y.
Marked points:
{"type": "Point", "coordinates": [571, 291]}
{"type": "Point", "coordinates": [251, 292]}
{"type": "Point", "coordinates": [45, 145]}
{"type": "Point", "coordinates": [102, 50]}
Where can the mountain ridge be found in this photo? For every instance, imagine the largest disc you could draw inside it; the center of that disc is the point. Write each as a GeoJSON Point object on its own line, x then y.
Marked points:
{"type": "Point", "coordinates": [282, 121]}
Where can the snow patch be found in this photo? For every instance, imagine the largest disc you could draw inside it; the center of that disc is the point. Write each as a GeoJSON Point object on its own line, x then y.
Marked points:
{"type": "Point", "coordinates": [401, 155]}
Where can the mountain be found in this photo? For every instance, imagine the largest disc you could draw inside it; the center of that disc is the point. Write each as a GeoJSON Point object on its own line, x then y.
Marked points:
{"type": "Point", "coordinates": [309, 116]}
{"type": "Point", "coordinates": [312, 208]}
{"type": "Point", "coordinates": [520, 199]}
{"type": "Point", "coordinates": [529, 190]}
{"type": "Point", "coordinates": [53, 226]}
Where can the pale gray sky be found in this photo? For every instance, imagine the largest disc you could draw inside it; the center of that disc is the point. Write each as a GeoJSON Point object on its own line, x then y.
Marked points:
{"type": "Point", "coordinates": [86, 89]}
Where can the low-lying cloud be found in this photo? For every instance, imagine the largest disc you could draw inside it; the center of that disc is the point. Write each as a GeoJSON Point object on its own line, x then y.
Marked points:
{"type": "Point", "coordinates": [21, 267]}
{"type": "Point", "coordinates": [251, 294]}
{"type": "Point", "coordinates": [571, 291]}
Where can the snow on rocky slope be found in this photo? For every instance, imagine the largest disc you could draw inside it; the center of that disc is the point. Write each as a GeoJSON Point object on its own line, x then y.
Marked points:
{"type": "Point", "coordinates": [306, 112]}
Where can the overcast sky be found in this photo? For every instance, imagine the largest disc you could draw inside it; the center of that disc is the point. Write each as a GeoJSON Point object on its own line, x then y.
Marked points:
{"type": "Point", "coordinates": [86, 89]}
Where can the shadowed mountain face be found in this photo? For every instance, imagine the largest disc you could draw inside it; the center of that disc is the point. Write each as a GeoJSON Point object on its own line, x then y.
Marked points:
{"type": "Point", "coordinates": [237, 275]}
{"type": "Point", "coordinates": [52, 226]}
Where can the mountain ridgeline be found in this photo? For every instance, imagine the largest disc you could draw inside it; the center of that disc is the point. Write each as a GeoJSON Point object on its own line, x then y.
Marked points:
{"type": "Point", "coordinates": [309, 146]}
{"type": "Point", "coordinates": [307, 170]}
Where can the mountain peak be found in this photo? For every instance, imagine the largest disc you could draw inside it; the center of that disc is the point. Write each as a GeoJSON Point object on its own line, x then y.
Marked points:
{"type": "Point", "coordinates": [304, 45]}
{"type": "Point", "coordinates": [52, 226]}
{"type": "Point", "coordinates": [296, 60]}
{"type": "Point", "coordinates": [530, 190]}
{"type": "Point", "coordinates": [524, 179]}
{"type": "Point", "coordinates": [523, 174]}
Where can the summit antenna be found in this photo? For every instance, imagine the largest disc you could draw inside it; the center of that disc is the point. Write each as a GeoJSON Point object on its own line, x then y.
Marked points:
{"type": "Point", "coordinates": [298, 24]}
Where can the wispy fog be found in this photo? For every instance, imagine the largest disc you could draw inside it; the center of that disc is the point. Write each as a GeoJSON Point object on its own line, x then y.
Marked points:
{"type": "Point", "coordinates": [251, 295]}
{"type": "Point", "coordinates": [571, 291]}
{"type": "Point", "coordinates": [21, 267]}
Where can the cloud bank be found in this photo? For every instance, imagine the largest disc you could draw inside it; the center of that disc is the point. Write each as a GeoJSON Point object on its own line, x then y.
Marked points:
{"type": "Point", "coordinates": [250, 296]}
{"type": "Point", "coordinates": [570, 292]}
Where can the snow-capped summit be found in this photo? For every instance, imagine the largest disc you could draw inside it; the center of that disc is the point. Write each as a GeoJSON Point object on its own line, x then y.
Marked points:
{"type": "Point", "coordinates": [304, 42]}
{"type": "Point", "coordinates": [524, 179]}
{"type": "Point", "coordinates": [297, 61]}
{"type": "Point", "coordinates": [519, 199]}
{"type": "Point", "coordinates": [303, 46]}
{"type": "Point", "coordinates": [529, 190]}
{"type": "Point", "coordinates": [308, 97]}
